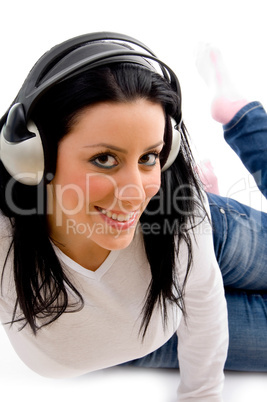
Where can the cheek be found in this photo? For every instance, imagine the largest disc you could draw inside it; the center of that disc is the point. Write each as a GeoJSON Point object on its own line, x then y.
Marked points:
{"type": "Point", "coordinates": [98, 187]}
{"type": "Point", "coordinates": [77, 191]}
{"type": "Point", "coordinates": [152, 186]}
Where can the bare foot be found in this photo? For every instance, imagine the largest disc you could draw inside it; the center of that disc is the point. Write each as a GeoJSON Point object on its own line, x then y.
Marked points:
{"type": "Point", "coordinates": [226, 101]}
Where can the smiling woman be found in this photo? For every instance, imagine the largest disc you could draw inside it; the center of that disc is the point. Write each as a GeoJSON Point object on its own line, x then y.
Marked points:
{"type": "Point", "coordinates": [110, 224]}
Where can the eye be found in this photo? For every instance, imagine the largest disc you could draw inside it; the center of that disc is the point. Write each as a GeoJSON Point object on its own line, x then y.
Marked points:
{"type": "Point", "coordinates": [104, 160]}
{"type": "Point", "coordinates": [149, 159]}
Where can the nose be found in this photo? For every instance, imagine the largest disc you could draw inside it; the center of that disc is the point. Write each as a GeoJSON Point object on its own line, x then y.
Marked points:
{"type": "Point", "coordinates": [130, 187]}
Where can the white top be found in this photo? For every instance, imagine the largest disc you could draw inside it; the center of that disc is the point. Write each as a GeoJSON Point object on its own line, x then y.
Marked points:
{"type": "Point", "coordinates": [106, 331]}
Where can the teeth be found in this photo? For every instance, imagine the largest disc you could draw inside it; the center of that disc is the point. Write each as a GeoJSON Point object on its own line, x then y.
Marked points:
{"type": "Point", "coordinates": [117, 217]}
{"type": "Point", "coordinates": [108, 213]}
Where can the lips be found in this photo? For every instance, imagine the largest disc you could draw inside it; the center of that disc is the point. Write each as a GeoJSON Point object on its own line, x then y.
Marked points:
{"type": "Point", "coordinates": [119, 221]}
{"type": "Point", "coordinates": [117, 217]}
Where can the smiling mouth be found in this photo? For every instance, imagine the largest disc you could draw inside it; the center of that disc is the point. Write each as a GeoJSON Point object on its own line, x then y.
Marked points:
{"type": "Point", "coordinates": [117, 217]}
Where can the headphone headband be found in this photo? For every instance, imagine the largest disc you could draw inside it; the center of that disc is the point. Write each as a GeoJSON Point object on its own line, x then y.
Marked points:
{"type": "Point", "coordinates": [88, 63]}
{"type": "Point", "coordinates": [36, 84]}
{"type": "Point", "coordinates": [62, 62]}
{"type": "Point", "coordinates": [59, 51]}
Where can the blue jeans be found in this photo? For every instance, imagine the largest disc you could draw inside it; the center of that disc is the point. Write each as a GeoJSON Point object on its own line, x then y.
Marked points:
{"type": "Point", "coordinates": [240, 244]}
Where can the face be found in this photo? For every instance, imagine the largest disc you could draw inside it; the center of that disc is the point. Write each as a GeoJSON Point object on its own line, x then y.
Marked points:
{"type": "Point", "coordinates": [107, 171]}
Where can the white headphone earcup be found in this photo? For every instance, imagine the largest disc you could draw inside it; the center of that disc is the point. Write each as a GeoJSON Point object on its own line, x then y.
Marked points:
{"type": "Point", "coordinates": [24, 160]}
{"type": "Point", "coordinates": [175, 147]}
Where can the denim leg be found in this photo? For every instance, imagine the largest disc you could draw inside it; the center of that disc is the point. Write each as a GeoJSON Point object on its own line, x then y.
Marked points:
{"type": "Point", "coordinates": [240, 243]}
{"type": "Point", "coordinates": [246, 134]}
{"type": "Point", "coordinates": [247, 316]}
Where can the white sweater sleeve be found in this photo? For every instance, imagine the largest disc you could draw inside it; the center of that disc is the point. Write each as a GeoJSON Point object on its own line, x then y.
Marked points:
{"type": "Point", "coordinates": [203, 335]}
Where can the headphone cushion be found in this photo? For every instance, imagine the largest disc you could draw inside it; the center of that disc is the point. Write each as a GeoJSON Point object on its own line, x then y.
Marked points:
{"type": "Point", "coordinates": [24, 160]}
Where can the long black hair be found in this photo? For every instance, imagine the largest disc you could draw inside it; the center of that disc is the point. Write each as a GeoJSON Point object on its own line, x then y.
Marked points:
{"type": "Point", "coordinates": [42, 287]}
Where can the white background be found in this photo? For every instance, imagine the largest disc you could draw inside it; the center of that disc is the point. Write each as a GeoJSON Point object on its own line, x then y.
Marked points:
{"type": "Point", "coordinates": [173, 29]}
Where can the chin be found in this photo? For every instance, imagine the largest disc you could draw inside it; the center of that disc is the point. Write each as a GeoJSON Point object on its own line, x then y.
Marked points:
{"type": "Point", "coordinates": [118, 241]}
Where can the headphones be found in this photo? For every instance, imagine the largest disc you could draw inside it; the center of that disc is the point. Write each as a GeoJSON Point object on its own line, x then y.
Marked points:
{"type": "Point", "coordinates": [21, 147]}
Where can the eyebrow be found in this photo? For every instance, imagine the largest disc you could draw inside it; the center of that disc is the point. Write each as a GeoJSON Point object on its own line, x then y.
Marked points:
{"type": "Point", "coordinates": [115, 148]}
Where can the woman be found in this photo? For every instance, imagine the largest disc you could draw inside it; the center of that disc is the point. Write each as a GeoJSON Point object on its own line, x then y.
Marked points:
{"type": "Point", "coordinates": [104, 257]}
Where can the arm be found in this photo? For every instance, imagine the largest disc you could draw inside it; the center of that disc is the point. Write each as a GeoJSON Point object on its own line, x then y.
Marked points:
{"type": "Point", "coordinates": [203, 336]}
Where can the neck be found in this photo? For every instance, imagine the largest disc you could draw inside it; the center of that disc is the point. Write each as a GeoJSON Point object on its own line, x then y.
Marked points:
{"type": "Point", "coordinates": [78, 247]}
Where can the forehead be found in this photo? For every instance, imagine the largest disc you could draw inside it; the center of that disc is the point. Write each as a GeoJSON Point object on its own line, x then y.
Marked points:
{"type": "Point", "coordinates": [121, 118]}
